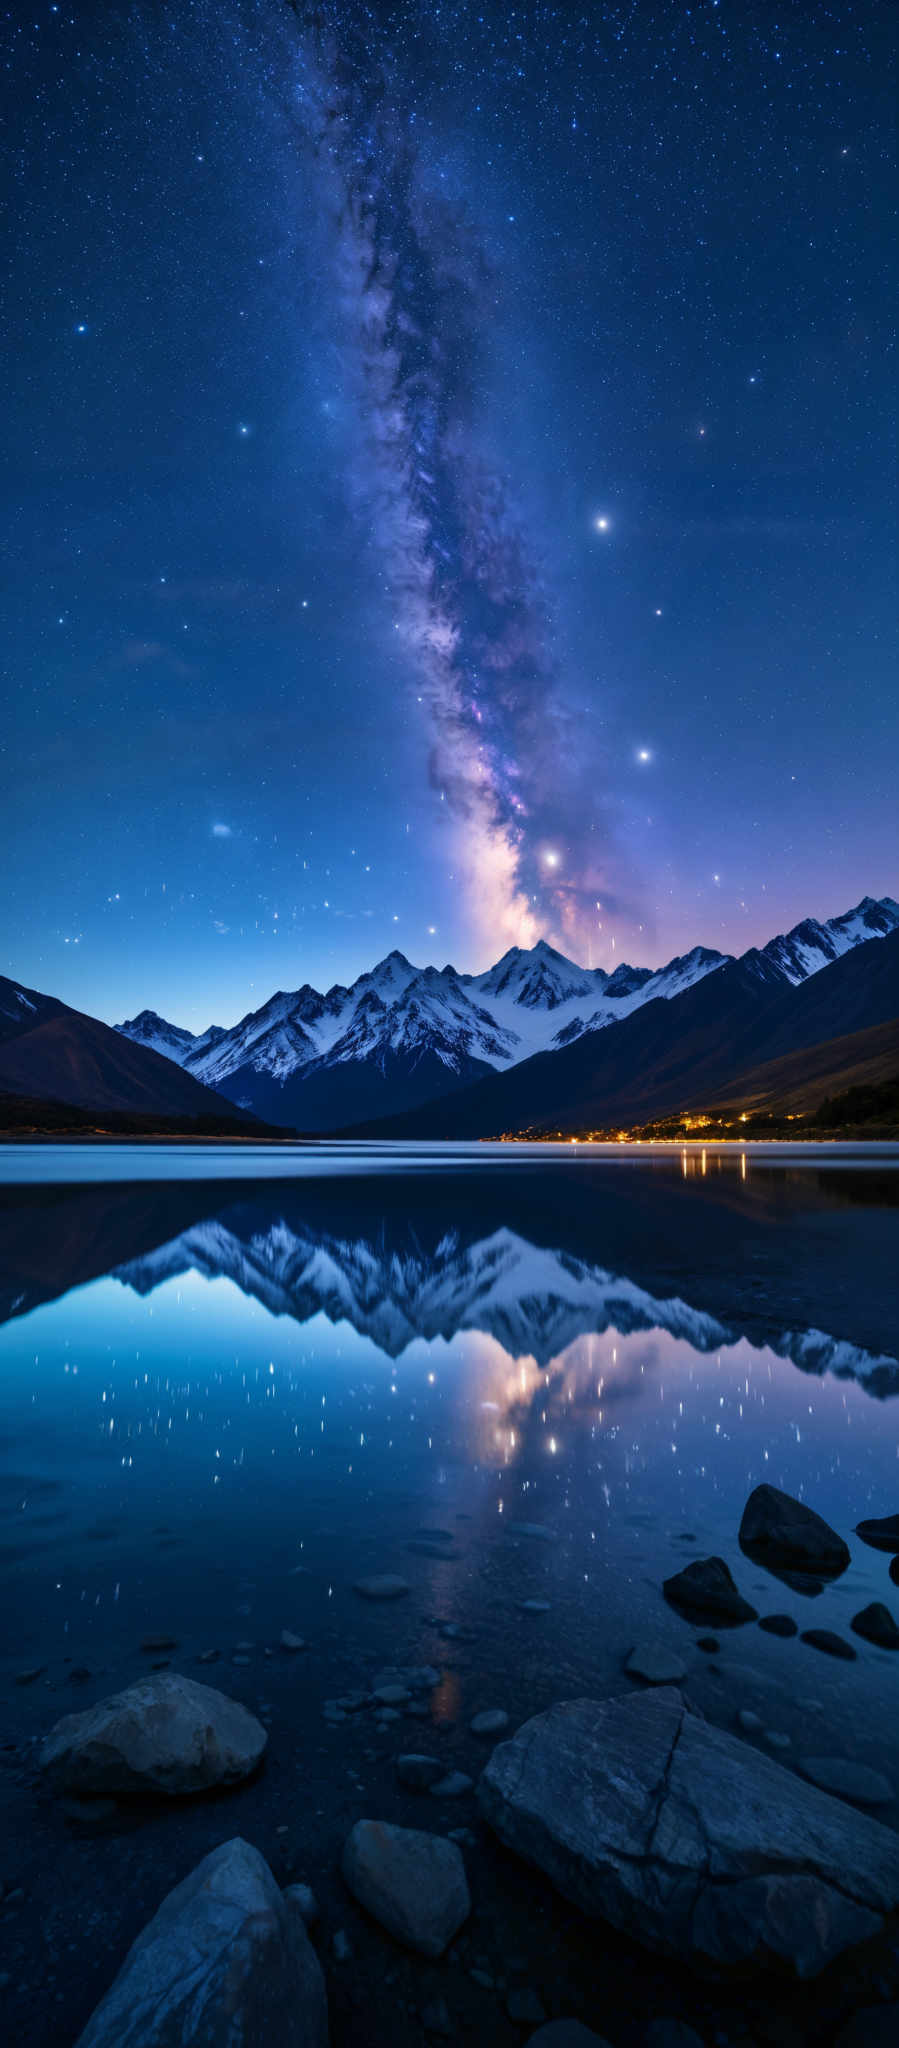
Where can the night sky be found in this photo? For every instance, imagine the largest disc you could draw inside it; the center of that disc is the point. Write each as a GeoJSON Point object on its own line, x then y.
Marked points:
{"type": "Point", "coordinates": [448, 467]}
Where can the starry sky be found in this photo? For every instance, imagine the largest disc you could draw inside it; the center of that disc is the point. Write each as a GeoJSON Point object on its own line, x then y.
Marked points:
{"type": "Point", "coordinates": [448, 457]}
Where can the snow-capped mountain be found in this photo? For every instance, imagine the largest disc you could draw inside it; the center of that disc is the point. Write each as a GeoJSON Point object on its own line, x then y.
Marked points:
{"type": "Point", "coordinates": [533, 1300]}
{"type": "Point", "coordinates": [401, 1035]}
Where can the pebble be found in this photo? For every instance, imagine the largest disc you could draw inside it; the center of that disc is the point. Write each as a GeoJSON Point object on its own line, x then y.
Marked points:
{"type": "Point", "coordinates": [779, 1625]}
{"type": "Point", "coordinates": [149, 1644]}
{"type": "Point", "coordinates": [303, 1897]}
{"type": "Point", "coordinates": [381, 1586]}
{"type": "Point", "coordinates": [208, 1657]}
{"type": "Point", "coordinates": [709, 1644]}
{"type": "Point", "coordinates": [833, 1645]}
{"type": "Point", "coordinates": [776, 1739]}
{"type": "Point", "coordinates": [452, 1786]}
{"type": "Point", "coordinates": [748, 1721]}
{"type": "Point", "coordinates": [533, 1606]}
{"type": "Point", "coordinates": [342, 1946]}
{"type": "Point", "coordinates": [654, 1662]}
{"type": "Point", "coordinates": [29, 1677]}
{"type": "Point", "coordinates": [288, 1641]}
{"type": "Point", "coordinates": [240, 1660]}
{"type": "Point", "coordinates": [482, 1977]}
{"type": "Point", "coordinates": [419, 1772]}
{"type": "Point", "coordinates": [391, 1695]}
{"type": "Point", "coordinates": [538, 1530]}
{"type": "Point", "coordinates": [491, 1722]}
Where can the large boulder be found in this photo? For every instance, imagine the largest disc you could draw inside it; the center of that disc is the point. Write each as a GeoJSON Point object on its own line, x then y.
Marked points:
{"type": "Point", "coordinates": [413, 1883]}
{"type": "Point", "coordinates": [779, 1531]}
{"type": "Point", "coordinates": [688, 1839]}
{"type": "Point", "coordinates": [225, 1963]}
{"type": "Point", "coordinates": [166, 1734]}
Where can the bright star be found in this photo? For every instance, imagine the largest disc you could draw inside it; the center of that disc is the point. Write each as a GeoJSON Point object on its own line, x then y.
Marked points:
{"type": "Point", "coordinates": [601, 523]}
{"type": "Point", "coordinates": [643, 754]}
{"type": "Point", "coordinates": [551, 859]}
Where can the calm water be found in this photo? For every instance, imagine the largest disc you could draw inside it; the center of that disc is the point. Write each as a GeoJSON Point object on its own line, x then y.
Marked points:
{"type": "Point", "coordinates": [227, 1390]}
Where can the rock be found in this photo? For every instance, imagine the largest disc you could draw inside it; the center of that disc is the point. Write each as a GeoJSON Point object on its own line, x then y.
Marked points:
{"type": "Point", "coordinates": [525, 2007]}
{"type": "Point", "coordinates": [654, 1662]}
{"type": "Point", "coordinates": [776, 1739]}
{"type": "Point", "coordinates": [780, 1531]}
{"type": "Point", "coordinates": [165, 1734]}
{"type": "Point", "coordinates": [391, 1695]}
{"type": "Point", "coordinates": [288, 1641]}
{"type": "Point", "coordinates": [705, 1591]}
{"type": "Point", "coordinates": [833, 1645]}
{"type": "Point", "coordinates": [435, 2018]}
{"type": "Point", "coordinates": [873, 2026]}
{"type": "Point", "coordinates": [709, 1644]}
{"type": "Point", "coordinates": [894, 1570]}
{"type": "Point", "coordinates": [412, 1883]}
{"type": "Point", "coordinates": [537, 1530]}
{"type": "Point", "coordinates": [30, 1676]}
{"type": "Point", "coordinates": [566, 2034]}
{"type": "Point", "coordinates": [876, 1624]}
{"type": "Point", "coordinates": [381, 1586]}
{"type": "Point", "coordinates": [452, 1786]}
{"type": "Point", "coordinates": [847, 1780]}
{"type": "Point", "coordinates": [491, 1722]}
{"type": "Point", "coordinates": [224, 1963]}
{"type": "Point", "coordinates": [341, 1946]}
{"type": "Point", "coordinates": [691, 1841]}
{"type": "Point", "coordinates": [882, 1534]}
{"type": "Point", "coordinates": [419, 1772]}
{"type": "Point", "coordinates": [533, 1606]}
{"type": "Point", "coordinates": [303, 1898]}
{"type": "Point", "coordinates": [748, 1721]}
{"type": "Point", "coordinates": [152, 1645]}
{"type": "Point", "coordinates": [779, 1625]}
{"type": "Point", "coordinates": [208, 1657]}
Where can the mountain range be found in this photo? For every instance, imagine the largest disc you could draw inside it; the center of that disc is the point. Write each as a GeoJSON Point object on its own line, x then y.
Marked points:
{"type": "Point", "coordinates": [537, 1039]}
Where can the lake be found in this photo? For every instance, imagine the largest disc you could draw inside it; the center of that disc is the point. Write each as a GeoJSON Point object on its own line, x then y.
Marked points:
{"type": "Point", "coordinates": [533, 1382]}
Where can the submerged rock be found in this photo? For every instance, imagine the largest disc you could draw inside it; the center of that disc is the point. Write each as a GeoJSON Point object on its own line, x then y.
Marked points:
{"type": "Point", "coordinates": [688, 1839]}
{"type": "Point", "coordinates": [779, 1625]}
{"type": "Point", "coordinates": [705, 1591]}
{"type": "Point", "coordinates": [780, 1531]}
{"type": "Point", "coordinates": [165, 1734]}
{"type": "Point", "coordinates": [876, 1624]}
{"type": "Point", "coordinates": [847, 1780]}
{"type": "Point", "coordinates": [882, 1534]}
{"type": "Point", "coordinates": [832, 1645]}
{"type": "Point", "coordinates": [656, 1664]}
{"type": "Point", "coordinates": [381, 1586]}
{"type": "Point", "coordinates": [225, 1963]}
{"type": "Point", "coordinates": [491, 1722]}
{"type": "Point", "coordinates": [413, 1883]}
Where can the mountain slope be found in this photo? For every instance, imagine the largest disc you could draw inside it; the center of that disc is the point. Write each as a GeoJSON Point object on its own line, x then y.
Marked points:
{"type": "Point", "coordinates": [671, 1054]}
{"type": "Point", "coordinates": [49, 1050]}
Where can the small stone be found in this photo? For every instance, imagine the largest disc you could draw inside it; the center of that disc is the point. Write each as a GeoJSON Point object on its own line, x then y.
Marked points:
{"type": "Point", "coordinates": [656, 1664]}
{"type": "Point", "coordinates": [482, 1977]}
{"type": "Point", "coordinates": [491, 1722]}
{"type": "Point", "coordinates": [566, 2034]}
{"type": "Point", "coordinates": [80, 1675]}
{"type": "Point", "coordinates": [152, 1645]}
{"type": "Point", "coordinates": [452, 1786]}
{"type": "Point", "coordinates": [882, 1534]}
{"type": "Point", "coordinates": [525, 2007]}
{"type": "Point", "coordinates": [709, 1644]}
{"type": "Point", "coordinates": [413, 1883]}
{"type": "Point", "coordinates": [208, 1657]}
{"type": "Point", "coordinates": [386, 1715]}
{"type": "Point", "coordinates": [381, 1586]}
{"type": "Point", "coordinates": [303, 1898]}
{"type": "Point", "coordinates": [876, 1624]}
{"type": "Point", "coordinates": [847, 1780]}
{"type": "Point", "coordinates": [418, 1772]}
{"type": "Point", "coordinates": [435, 2019]}
{"type": "Point", "coordinates": [463, 1836]}
{"type": "Point", "coordinates": [244, 1661]}
{"type": "Point", "coordinates": [776, 1739]}
{"type": "Point", "coordinates": [31, 1676]}
{"type": "Point", "coordinates": [391, 1695]}
{"type": "Point", "coordinates": [779, 1625]}
{"type": "Point", "coordinates": [341, 1946]}
{"type": "Point", "coordinates": [706, 1590]}
{"type": "Point", "coordinates": [288, 1641]}
{"type": "Point", "coordinates": [533, 1606]}
{"type": "Point", "coordinates": [748, 1721]}
{"type": "Point", "coordinates": [833, 1645]}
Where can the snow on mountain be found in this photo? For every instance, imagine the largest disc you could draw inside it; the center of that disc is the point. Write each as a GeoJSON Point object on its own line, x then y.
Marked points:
{"type": "Point", "coordinates": [810, 945]}
{"type": "Point", "coordinates": [399, 1020]}
{"type": "Point", "coordinates": [533, 1300]}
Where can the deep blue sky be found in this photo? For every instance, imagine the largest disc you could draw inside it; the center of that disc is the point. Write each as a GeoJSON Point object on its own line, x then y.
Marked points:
{"type": "Point", "coordinates": [326, 349]}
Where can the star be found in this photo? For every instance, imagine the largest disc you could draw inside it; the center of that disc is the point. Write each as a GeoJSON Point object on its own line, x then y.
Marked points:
{"type": "Point", "coordinates": [550, 858]}
{"type": "Point", "coordinates": [643, 754]}
{"type": "Point", "coordinates": [601, 523]}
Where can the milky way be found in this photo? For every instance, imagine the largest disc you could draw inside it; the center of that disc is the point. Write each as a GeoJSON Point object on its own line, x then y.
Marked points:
{"type": "Point", "coordinates": [415, 289]}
